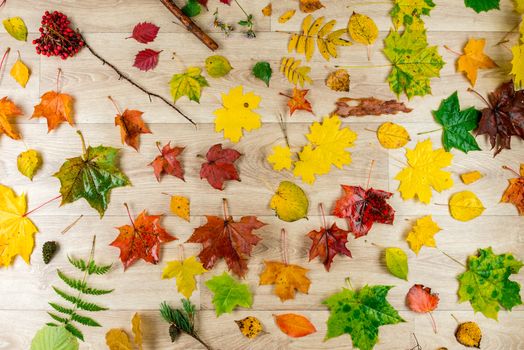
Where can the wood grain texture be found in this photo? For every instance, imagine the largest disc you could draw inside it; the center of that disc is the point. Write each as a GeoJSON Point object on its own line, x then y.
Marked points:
{"type": "Point", "coordinates": [25, 290]}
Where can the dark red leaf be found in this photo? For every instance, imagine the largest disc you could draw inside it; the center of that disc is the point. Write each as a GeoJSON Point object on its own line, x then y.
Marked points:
{"type": "Point", "coordinates": [167, 162]}
{"type": "Point", "coordinates": [227, 2]}
{"type": "Point", "coordinates": [219, 166]}
{"type": "Point", "coordinates": [327, 243]}
{"type": "Point", "coordinates": [203, 3]}
{"type": "Point", "coordinates": [146, 59]}
{"type": "Point", "coordinates": [361, 208]}
{"type": "Point", "coordinates": [144, 32]}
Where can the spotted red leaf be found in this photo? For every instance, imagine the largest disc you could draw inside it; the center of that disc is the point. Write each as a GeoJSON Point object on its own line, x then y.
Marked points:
{"type": "Point", "coordinates": [219, 166]}
{"type": "Point", "coordinates": [327, 243]}
{"type": "Point", "coordinates": [167, 162]}
{"type": "Point", "coordinates": [145, 32]}
{"type": "Point", "coordinates": [361, 208]}
{"type": "Point", "coordinates": [141, 239]}
{"type": "Point", "coordinates": [146, 59]}
{"type": "Point", "coordinates": [227, 239]}
{"type": "Point", "coordinates": [420, 299]}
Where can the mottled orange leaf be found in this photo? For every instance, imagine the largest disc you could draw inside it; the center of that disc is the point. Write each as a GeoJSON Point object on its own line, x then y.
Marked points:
{"type": "Point", "coordinates": [131, 126]}
{"type": "Point", "coordinates": [8, 110]}
{"type": "Point", "coordinates": [56, 108]}
{"type": "Point", "coordinates": [309, 6]}
{"type": "Point", "coordinates": [515, 192]}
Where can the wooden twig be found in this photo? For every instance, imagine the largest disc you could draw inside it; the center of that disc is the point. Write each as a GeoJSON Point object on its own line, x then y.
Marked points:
{"type": "Point", "coordinates": [190, 25]}
{"type": "Point", "coordinates": [140, 87]}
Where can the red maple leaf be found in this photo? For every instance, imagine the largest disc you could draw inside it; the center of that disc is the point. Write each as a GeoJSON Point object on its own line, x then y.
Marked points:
{"type": "Point", "coordinates": [144, 32]}
{"type": "Point", "coordinates": [227, 239]}
{"type": "Point", "coordinates": [420, 299]}
{"type": "Point", "coordinates": [141, 239]}
{"type": "Point", "coordinates": [227, 2]}
{"type": "Point", "coordinates": [146, 59]}
{"type": "Point", "coordinates": [167, 162]}
{"type": "Point", "coordinates": [298, 101]}
{"type": "Point", "coordinates": [219, 166]}
{"type": "Point", "coordinates": [131, 126]}
{"type": "Point", "coordinates": [361, 208]}
{"type": "Point", "coordinates": [327, 243]}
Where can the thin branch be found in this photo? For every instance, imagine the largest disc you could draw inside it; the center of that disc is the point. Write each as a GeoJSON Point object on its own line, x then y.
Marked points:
{"type": "Point", "coordinates": [41, 205]}
{"type": "Point", "coordinates": [68, 227]}
{"type": "Point", "coordinates": [138, 86]}
{"type": "Point", "coordinates": [3, 57]}
{"type": "Point", "coordinates": [283, 126]}
{"type": "Point", "coordinates": [369, 175]}
{"type": "Point", "coordinates": [224, 208]}
{"type": "Point", "coordinates": [283, 243]}
{"type": "Point", "coordinates": [452, 258]}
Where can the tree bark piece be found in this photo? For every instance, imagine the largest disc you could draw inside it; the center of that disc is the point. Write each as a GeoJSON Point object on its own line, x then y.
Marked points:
{"type": "Point", "coordinates": [190, 25]}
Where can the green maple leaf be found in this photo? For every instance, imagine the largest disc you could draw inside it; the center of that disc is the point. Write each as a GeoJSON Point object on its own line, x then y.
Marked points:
{"type": "Point", "coordinates": [482, 5]}
{"type": "Point", "coordinates": [360, 314]}
{"type": "Point", "coordinates": [457, 124]}
{"type": "Point", "coordinates": [407, 12]}
{"type": "Point", "coordinates": [91, 176]}
{"type": "Point", "coordinates": [189, 83]}
{"type": "Point", "coordinates": [413, 61]}
{"type": "Point", "coordinates": [228, 293]}
{"type": "Point", "coordinates": [486, 283]}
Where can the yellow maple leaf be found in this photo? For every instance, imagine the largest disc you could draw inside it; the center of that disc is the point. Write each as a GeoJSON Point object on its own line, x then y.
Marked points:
{"type": "Point", "coordinates": [423, 233]}
{"type": "Point", "coordinates": [179, 206]}
{"type": "Point", "coordinates": [280, 158]}
{"type": "Point", "coordinates": [424, 172]}
{"type": "Point", "coordinates": [16, 230]}
{"type": "Point", "coordinates": [474, 59]}
{"type": "Point", "coordinates": [237, 114]}
{"type": "Point", "coordinates": [465, 206]}
{"type": "Point", "coordinates": [519, 6]}
{"type": "Point", "coordinates": [311, 162]}
{"type": "Point", "coordinates": [184, 272]}
{"type": "Point", "coordinates": [286, 277]}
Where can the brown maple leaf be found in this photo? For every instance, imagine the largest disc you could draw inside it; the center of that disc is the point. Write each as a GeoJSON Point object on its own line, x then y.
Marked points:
{"type": "Point", "coordinates": [56, 108]}
{"type": "Point", "coordinates": [225, 238]}
{"type": "Point", "coordinates": [167, 162]}
{"type": "Point", "coordinates": [141, 239]}
{"type": "Point", "coordinates": [8, 110]}
{"type": "Point", "coordinates": [515, 192]}
{"type": "Point", "coordinates": [131, 126]}
{"type": "Point", "coordinates": [220, 166]}
{"type": "Point", "coordinates": [298, 101]}
{"type": "Point", "coordinates": [286, 277]}
{"type": "Point", "coordinates": [327, 243]}
{"type": "Point", "coordinates": [368, 106]}
{"type": "Point", "coordinates": [504, 116]}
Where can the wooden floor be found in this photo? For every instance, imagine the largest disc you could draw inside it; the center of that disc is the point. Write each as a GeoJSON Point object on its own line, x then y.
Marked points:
{"type": "Point", "coordinates": [26, 289]}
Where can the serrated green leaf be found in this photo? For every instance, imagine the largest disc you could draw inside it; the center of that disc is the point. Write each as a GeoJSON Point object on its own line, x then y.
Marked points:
{"type": "Point", "coordinates": [486, 284]}
{"type": "Point", "coordinates": [289, 202]}
{"type": "Point", "coordinates": [397, 262]}
{"type": "Point", "coordinates": [482, 5]}
{"type": "Point", "coordinates": [54, 338]}
{"type": "Point", "coordinates": [360, 314]}
{"type": "Point", "coordinates": [189, 83]}
{"type": "Point", "coordinates": [457, 124]}
{"type": "Point", "coordinates": [262, 70]}
{"type": "Point", "coordinates": [414, 62]}
{"type": "Point", "coordinates": [15, 26]}
{"type": "Point", "coordinates": [228, 293]}
{"type": "Point", "coordinates": [192, 8]}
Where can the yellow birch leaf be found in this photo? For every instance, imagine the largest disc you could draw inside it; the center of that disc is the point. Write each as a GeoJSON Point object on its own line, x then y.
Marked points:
{"type": "Point", "coordinates": [392, 136]}
{"type": "Point", "coordinates": [117, 339]}
{"type": "Point", "coordinates": [474, 59]}
{"type": "Point", "coordinates": [268, 10]}
{"type": "Point", "coordinates": [180, 206]}
{"type": "Point", "coordinates": [20, 73]}
{"type": "Point", "coordinates": [362, 29]}
{"type": "Point", "coordinates": [286, 16]}
{"type": "Point", "coordinates": [280, 158]}
{"type": "Point", "coordinates": [465, 206]}
{"type": "Point", "coordinates": [237, 114]}
{"type": "Point", "coordinates": [422, 233]}
{"type": "Point", "coordinates": [471, 177]}
{"type": "Point", "coordinates": [137, 330]}
{"type": "Point", "coordinates": [289, 202]}
{"type": "Point", "coordinates": [28, 163]}
{"type": "Point", "coordinates": [15, 26]}
{"type": "Point", "coordinates": [16, 230]}
{"type": "Point", "coordinates": [184, 272]}
{"type": "Point", "coordinates": [250, 327]}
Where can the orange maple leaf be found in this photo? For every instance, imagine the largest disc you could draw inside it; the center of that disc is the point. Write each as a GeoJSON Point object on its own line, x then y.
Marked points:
{"type": "Point", "coordinates": [515, 192]}
{"type": "Point", "coordinates": [131, 126]}
{"type": "Point", "coordinates": [286, 278]}
{"type": "Point", "coordinates": [56, 108]}
{"type": "Point", "coordinates": [298, 101]}
{"type": "Point", "coordinates": [474, 59]}
{"type": "Point", "coordinates": [8, 110]}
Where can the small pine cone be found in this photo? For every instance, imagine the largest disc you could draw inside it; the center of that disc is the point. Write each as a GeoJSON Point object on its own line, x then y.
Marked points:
{"type": "Point", "coordinates": [48, 251]}
{"type": "Point", "coordinates": [174, 332]}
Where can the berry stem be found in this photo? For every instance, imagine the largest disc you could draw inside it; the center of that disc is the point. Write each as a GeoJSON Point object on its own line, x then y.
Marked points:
{"type": "Point", "coordinates": [41, 205]}
{"type": "Point", "coordinates": [58, 74]}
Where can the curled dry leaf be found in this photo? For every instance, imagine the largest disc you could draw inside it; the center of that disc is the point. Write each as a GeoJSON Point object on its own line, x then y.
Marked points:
{"type": "Point", "coordinates": [471, 177]}
{"type": "Point", "coordinates": [117, 339]}
{"type": "Point", "coordinates": [286, 277]}
{"type": "Point", "coordinates": [145, 32]}
{"type": "Point", "coordinates": [515, 192]}
{"type": "Point", "coordinates": [346, 107]}
{"type": "Point", "coordinates": [469, 334]}
{"type": "Point", "coordinates": [220, 166]}
{"type": "Point", "coordinates": [338, 80]}
{"type": "Point", "coordinates": [167, 162]}
{"type": "Point", "coordinates": [392, 136]}
{"type": "Point", "coordinates": [136, 328]}
{"type": "Point", "coordinates": [56, 107]}
{"type": "Point", "coordinates": [294, 325]}
{"type": "Point", "coordinates": [286, 16]}
{"type": "Point", "coordinates": [465, 206]}
{"type": "Point", "coordinates": [327, 243]}
{"type": "Point", "coordinates": [146, 59]}
{"type": "Point", "coordinates": [28, 163]}
{"type": "Point", "coordinates": [308, 6]}
{"type": "Point", "coordinates": [250, 327]}
{"type": "Point", "coordinates": [9, 110]}
{"type": "Point", "coordinates": [289, 202]}
{"type": "Point", "coordinates": [131, 126]}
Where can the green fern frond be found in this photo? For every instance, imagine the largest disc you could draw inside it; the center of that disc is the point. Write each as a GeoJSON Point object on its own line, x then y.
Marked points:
{"type": "Point", "coordinates": [78, 263]}
{"type": "Point", "coordinates": [94, 291]}
{"type": "Point", "coordinates": [91, 267]}
{"type": "Point", "coordinates": [81, 304]}
{"type": "Point", "coordinates": [74, 331]}
{"type": "Point", "coordinates": [52, 324]}
{"type": "Point", "coordinates": [61, 309]}
{"type": "Point", "coordinates": [81, 286]}
{"type": "Point", "coordinates": [57, 318]}
{"type": "Point", "coordinates": [86, 321]}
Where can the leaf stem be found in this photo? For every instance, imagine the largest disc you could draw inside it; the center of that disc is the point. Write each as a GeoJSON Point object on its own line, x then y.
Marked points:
{"type": "Point", "coordinates": [181, 254]}
{"type": "Point", "coordinates": [481, 97]}
{"type": "Point", "coordinates": [369, 175]}
{"type": "Point", "coordinates": [348, 283]}
{"type": "Point", "coordinates": [84, 149]}
{"type": "Point", "coordinates": [224, 209]}
{"type": "Point", "coordinates": [363, 67]}
{"type": "Point", "coordinates": [68, 227]}
{"type": "Point", "coordinates": [429, 132]}
{"type": "Point", "coordinates": [283, 243]}
{"type": "Point", "coordinates": [114, 104]}
{"type": "Point", "coordinates": [129, 214]}
{"type": "Point", "coordinates": [41, 205]}
{"type": "Point", "coordinates": [452, 258]}
{"type": "Point", "coordinates": [323, 215]}
{"type": "Point", "coordinates": [452, 51]}
{"type": "Point", "coordinates": [245, 13]}
{"type": "Point", "coordinates": [3, 57]}
{"type": "Point", "coordinates": [283, 94]}
{"type": "Point", "coordinates": [283, 126]}
{"type": "Point", "coordinates": [510, 169]}
{"type": "Point", "coordinates": [158, 146]}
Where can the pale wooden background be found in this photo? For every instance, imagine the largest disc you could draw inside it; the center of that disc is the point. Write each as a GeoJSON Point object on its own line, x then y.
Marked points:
{"type": "Point", "coordinates": [25, 290]}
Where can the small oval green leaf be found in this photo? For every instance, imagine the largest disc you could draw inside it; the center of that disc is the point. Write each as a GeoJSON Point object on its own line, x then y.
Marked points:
{"type": "Point", "coordinates": [217, 66]}
{"type": "Point", "coordinates": [15, 26]}
{"type": "Point", "coordinates": [262, 70]}
{"type": "Point", "coordinates": [397, 262]}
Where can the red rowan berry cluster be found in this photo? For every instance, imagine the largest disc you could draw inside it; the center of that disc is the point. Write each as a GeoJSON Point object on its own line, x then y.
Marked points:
{"type": "Point", "coordinates": [57, 38]}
